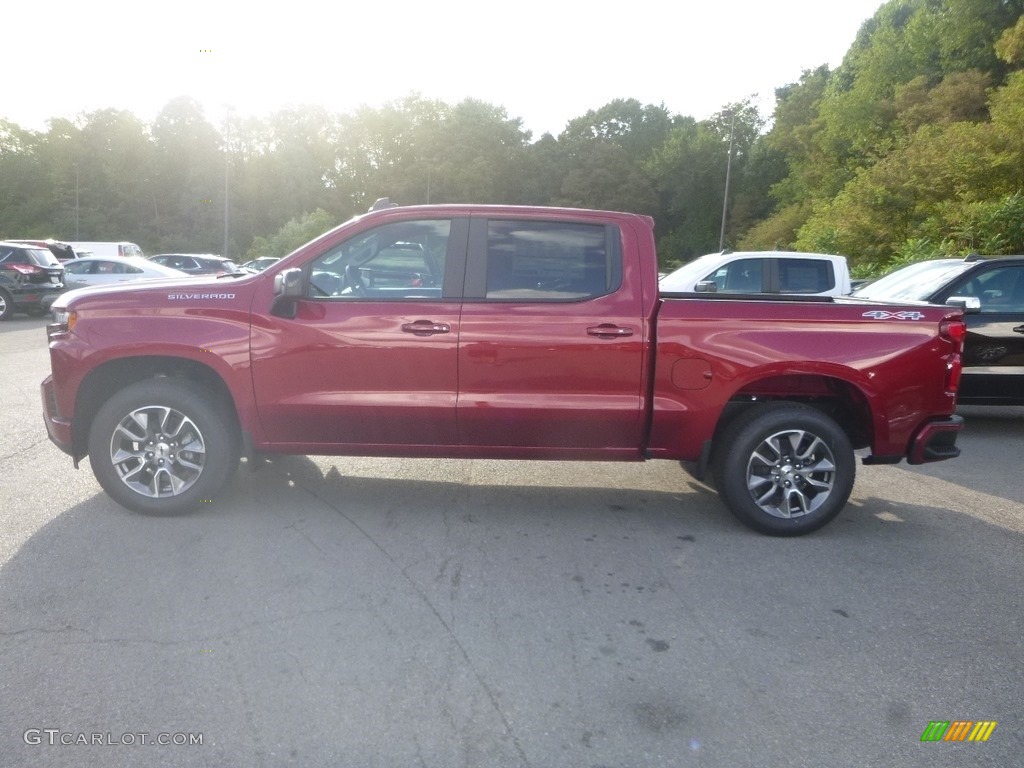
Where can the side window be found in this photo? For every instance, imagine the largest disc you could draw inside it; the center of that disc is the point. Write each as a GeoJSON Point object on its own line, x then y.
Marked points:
{"type": "Point", "coordinates": [400, 261]}
{"type": "Point", "coordinates": [999, 290]}
{"type": "Point", "coordinates": [805, 275]}
{"type": "Point", "coordinates": [740, 276]}
{"type": "Point", "coordinates": [17, 257]}
{"type": "Point", "coordinates": [528, 260]}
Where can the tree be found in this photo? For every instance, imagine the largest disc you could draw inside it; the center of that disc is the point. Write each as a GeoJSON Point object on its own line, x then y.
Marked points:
{"type": "Point", "coordinates": [295, 232]}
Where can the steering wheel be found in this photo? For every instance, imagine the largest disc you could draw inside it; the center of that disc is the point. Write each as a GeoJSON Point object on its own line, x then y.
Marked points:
{"type": "Point", "coordinates": [354, 280]}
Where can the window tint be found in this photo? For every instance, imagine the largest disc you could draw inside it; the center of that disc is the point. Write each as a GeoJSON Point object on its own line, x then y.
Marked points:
{"type": "Point", "coordinates": [999, 290]}
{"type": "Point", "coordinates": [551, 260]}
{"type": "Point", "coordinates": [805, 275]}
{"type": "Point", "coordinates": [79, 267]}
{"type": "Point", "coordinates": [13, 256]}
{"type": "Point", "coordinates": [740, 276]}
{"type": "Point", "coordinates": [397, 261]}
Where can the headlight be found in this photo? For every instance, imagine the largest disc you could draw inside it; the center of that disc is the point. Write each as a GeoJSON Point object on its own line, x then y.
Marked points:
{"type": "Point", "coordinates": [63, 321]}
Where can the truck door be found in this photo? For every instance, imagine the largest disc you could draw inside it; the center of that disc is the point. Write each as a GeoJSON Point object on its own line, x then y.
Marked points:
{"type": "Point", "coordinates": [994, 347]}
{"type": "Point", "coordinates": [370, 356]}
{"type": "Point", "coordinates": [552, 337]}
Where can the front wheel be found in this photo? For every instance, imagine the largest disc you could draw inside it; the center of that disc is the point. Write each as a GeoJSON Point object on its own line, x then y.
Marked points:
{"type": "Point", "coordinates": [6, 305]}
{"type": "Point", "coordinates": [162, 446]}
{"type": "Point", "coordinates": [784, 469]}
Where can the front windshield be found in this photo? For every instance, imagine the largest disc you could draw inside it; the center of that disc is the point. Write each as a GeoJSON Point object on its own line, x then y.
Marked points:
{"type": "Point", "coordinates": [914, 282]}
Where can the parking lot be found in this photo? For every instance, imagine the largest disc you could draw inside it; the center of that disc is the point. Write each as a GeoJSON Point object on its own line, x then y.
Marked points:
{"type": "Point", "coordinates": [330, 611]}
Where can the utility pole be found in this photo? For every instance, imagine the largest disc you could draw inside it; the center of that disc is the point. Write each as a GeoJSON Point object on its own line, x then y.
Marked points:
{"type": "Point", "coordinates": [728, 168]}
{"type": "Point", "coordinates": [227, 168]}
{"type": "Point", "coordinates": [76, 202]}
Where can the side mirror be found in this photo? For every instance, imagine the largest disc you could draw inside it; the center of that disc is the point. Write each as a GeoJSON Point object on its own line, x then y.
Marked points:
{"type": "Point", "coordinates": [969, 304]}
{"type": "Point", "coordinates": [288, 289]}
{"type": "Point", "coordinates": [706, 286]}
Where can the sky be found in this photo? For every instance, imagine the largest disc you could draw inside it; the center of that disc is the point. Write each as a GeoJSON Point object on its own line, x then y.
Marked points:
{"type": "Point", "coordinates": [544, 62]}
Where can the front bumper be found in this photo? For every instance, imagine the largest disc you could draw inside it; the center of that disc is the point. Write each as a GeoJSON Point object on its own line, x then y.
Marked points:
{"type": "Point", "coordinates": [57, 427]}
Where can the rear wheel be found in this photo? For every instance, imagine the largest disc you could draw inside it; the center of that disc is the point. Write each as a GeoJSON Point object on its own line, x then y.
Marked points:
{"type": "Point", "coordinates": [784, 469]}
{"type": "Point", "coordinates": [162, 446]}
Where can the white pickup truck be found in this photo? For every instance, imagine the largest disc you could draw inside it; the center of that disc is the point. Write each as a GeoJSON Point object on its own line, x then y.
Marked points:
{"type": "Point", "coordinates": [811, 274]}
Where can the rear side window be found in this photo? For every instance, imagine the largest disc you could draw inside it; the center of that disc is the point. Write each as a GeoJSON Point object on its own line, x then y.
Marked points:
{"type": "Point", "coordinates": [805, 276]}
{"type": "Point", "coordinates": [549, 260]}
{"type": "Point", "coordinates": [40, 257]}
{"type": "Point", "coordinates": [81, 267]}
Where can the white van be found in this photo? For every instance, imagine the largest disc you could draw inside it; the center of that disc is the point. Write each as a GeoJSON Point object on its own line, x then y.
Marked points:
{"type": "Point", "coordinates": [122, 248]}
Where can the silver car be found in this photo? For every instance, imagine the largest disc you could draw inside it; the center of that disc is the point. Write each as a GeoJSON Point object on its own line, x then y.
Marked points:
{"type": "Point", "coordinates": [105, 270]}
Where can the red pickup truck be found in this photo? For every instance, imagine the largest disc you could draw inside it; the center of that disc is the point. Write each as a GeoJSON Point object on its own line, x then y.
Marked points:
{"type": "Point", "coordinates": [496, 332]}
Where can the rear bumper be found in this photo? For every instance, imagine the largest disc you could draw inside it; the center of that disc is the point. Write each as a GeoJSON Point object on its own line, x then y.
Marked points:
{"type": "Point", "coordinates": [935, 441]}
{"type": "Point", "coordinates": [35, 294]}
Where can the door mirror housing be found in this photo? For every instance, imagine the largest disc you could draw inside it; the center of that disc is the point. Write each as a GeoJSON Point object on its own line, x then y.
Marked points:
{"type": "Point", "coordinates": [288, 289]}
{"type": "Point", "coordinates": [706, 286]}
{"type": "Point", "coordinates": [969, 304]}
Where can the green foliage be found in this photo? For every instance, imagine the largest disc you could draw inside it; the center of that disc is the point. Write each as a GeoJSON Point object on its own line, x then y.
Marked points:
{"type": "Point", "coordinates": [1010, 45]}
{"type": "Point", "coordinates": [913, 146]}
{"type": "Point", "coordinates": [777, 232]}
{"type": "Point", "coordinates": [295, 232]}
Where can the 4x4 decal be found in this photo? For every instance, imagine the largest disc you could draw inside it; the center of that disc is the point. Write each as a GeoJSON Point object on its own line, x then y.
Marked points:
{"type": "Point", "coordinates": [906, 314]}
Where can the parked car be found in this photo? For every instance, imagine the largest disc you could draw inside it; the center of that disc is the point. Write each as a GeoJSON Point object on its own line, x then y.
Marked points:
{"type": "Point", "coordinates": [30, 279]}
{"type": "Point", "coordinates": [992, 292]}
{"type": "Point", "coordinates": [107, 248]}
{"type": "Point", "coordinates": [63, 251]}
{"type": "Point", "coordinates": [197, 263]}
{"type": "Point", "coordinates": [97, 270]}
{"type": "Point", "coordinates": [813, 274]}
{"type": "Point", "coordinates": [258, 265]}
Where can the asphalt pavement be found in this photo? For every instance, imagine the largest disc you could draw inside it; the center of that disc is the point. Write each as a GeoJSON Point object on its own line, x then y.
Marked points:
{"type": "Point", "coordinates": [328, 611]}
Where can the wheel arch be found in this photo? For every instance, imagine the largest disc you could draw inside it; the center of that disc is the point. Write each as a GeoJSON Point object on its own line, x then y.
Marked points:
{"type": "Point", "coordinates": [114, 375]}
{"type": "Point", "coordinates": [839, 398]}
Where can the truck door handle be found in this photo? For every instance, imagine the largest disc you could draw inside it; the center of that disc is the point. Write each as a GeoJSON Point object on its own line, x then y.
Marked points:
{"type": "Point", "coordinates": [609, 331]}
{"type": "Point", "coordinates": [1019, 329]}
{"type": "Point", "coordinates": [425, 328]}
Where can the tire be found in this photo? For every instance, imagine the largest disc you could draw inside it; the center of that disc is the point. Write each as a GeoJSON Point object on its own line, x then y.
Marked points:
{"type": "Point", "coordinates": [162, 446]}
{"type": "Point", "coordinates": [784, 469]}
{"type": "Point", "coordinates": [6, 305]}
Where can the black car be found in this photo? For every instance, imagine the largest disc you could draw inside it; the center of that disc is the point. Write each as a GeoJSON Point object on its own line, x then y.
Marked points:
{"type": "Point", "coordinates": [30, 279]}
{"type": "Point", "coordinates": [197, 263]}
{"type": "Point", "coordinates": [992, 290]}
